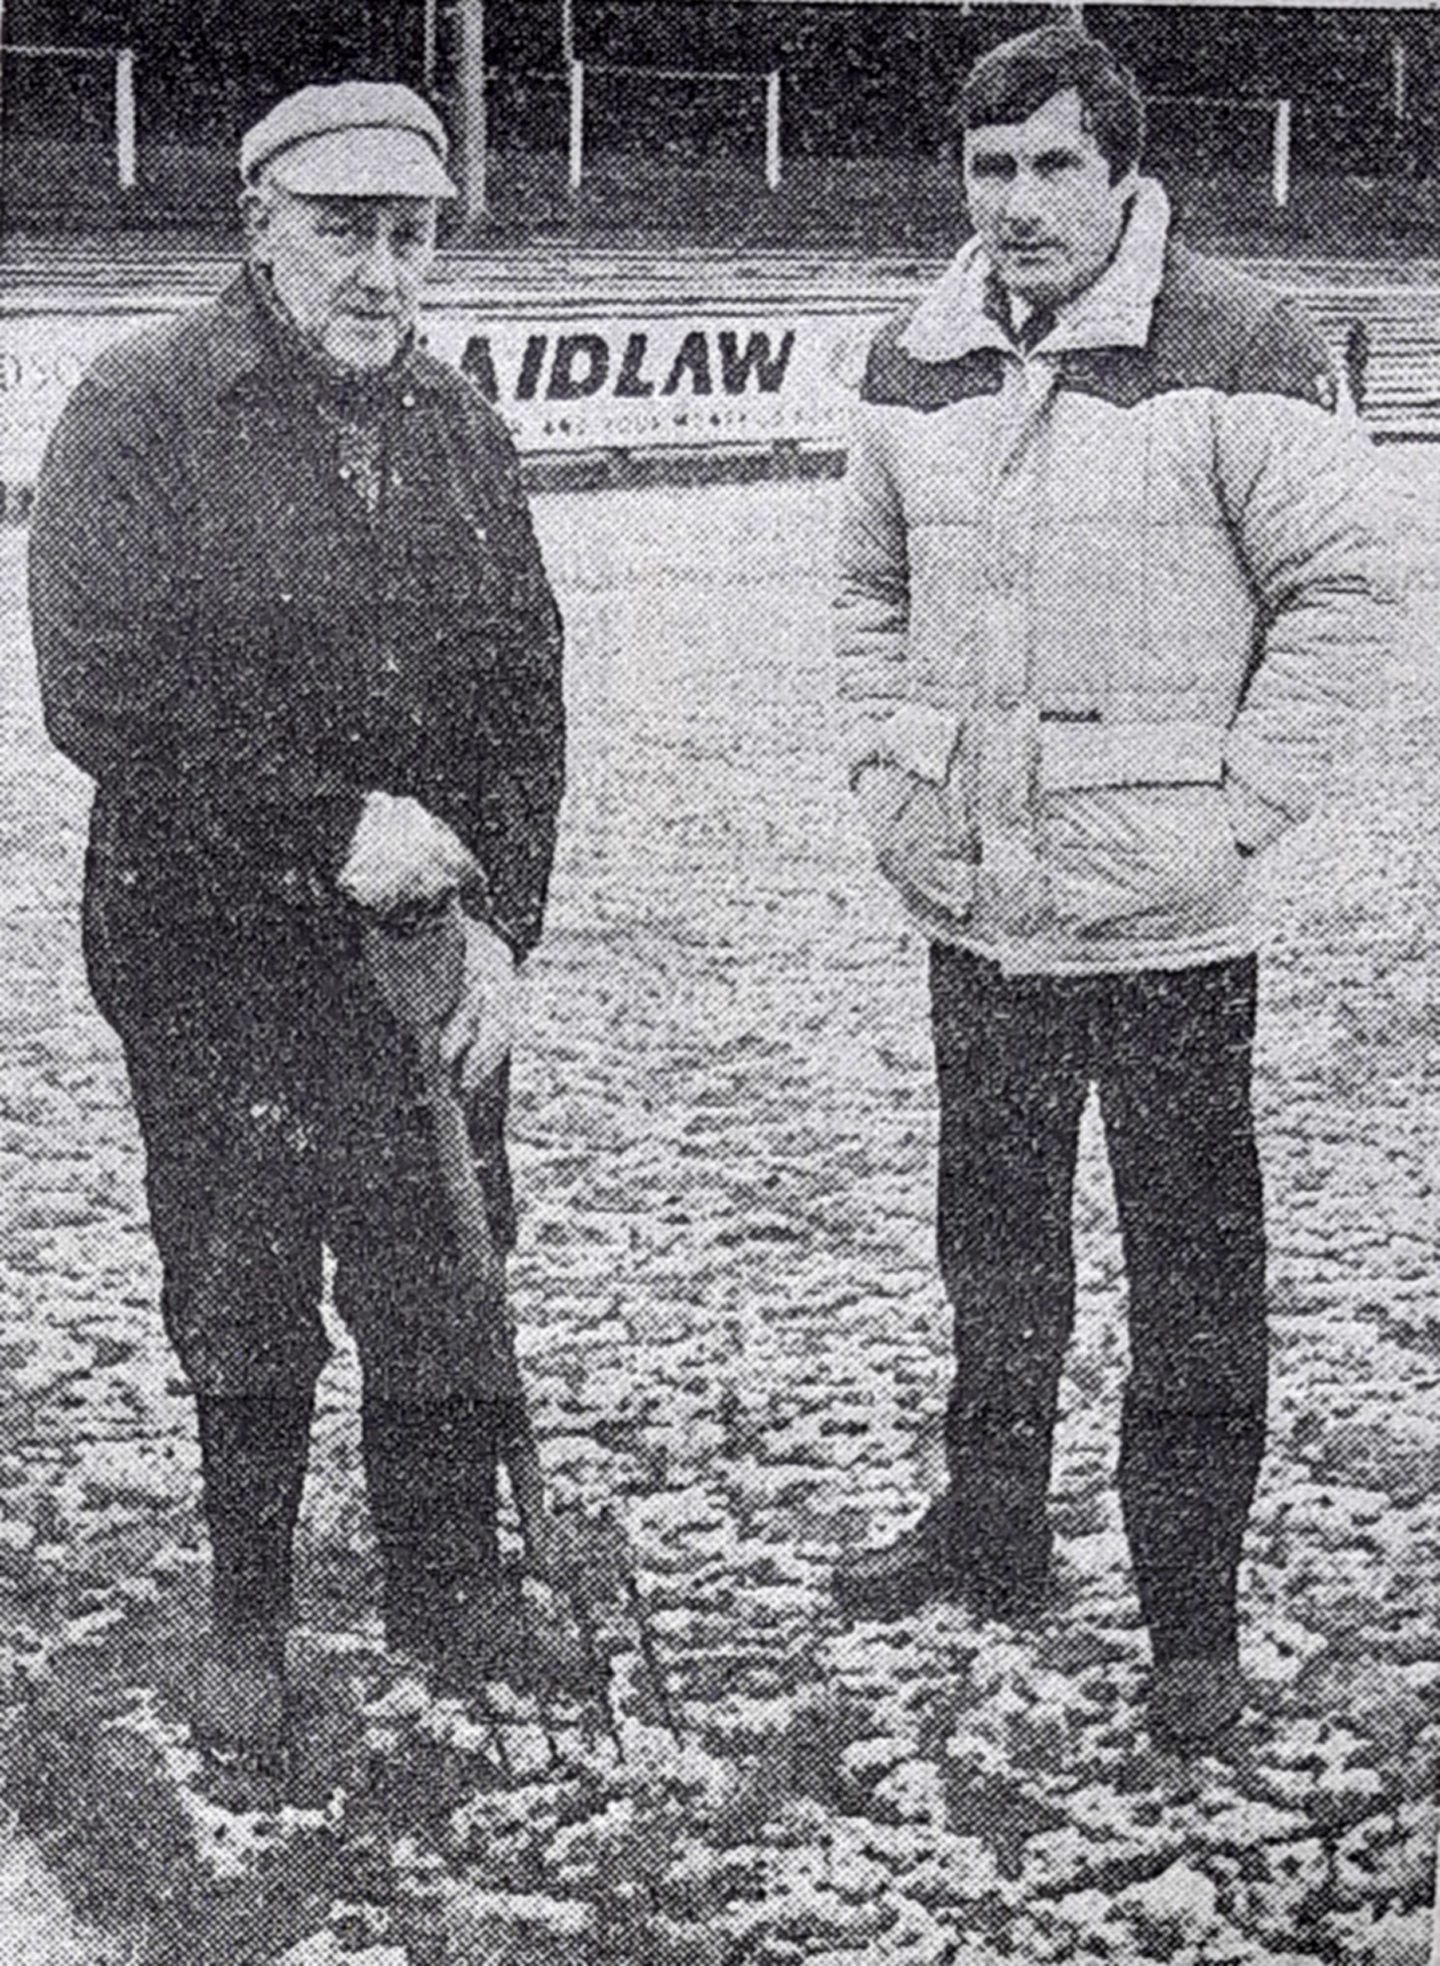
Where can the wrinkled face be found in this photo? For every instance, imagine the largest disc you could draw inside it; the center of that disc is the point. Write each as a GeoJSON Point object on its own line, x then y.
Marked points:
{"type": "Point", "coordinates": [348, 271]}
{"type": "Point", "coordinates": [1042, 202]}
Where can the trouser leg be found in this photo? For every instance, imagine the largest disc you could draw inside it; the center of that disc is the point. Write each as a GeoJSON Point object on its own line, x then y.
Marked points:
{"type": "Point", "coordinates": [1176, 1097]}
{"type": "Point", "coordinates": [1012, 1084]}
{"type": "Point", "coordinates": [423, 1326]}
{"type": "Point", "coordinates": [231, 1173]}
{"type": "Point", "coordinates": [430, 1420]}
{"type": "Point", "coordinates": [231, 1176]}
{"type": "Point", "coordinates": [1186, 1485]}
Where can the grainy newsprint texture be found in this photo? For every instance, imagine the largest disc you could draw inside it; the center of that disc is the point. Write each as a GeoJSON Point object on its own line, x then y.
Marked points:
{"type": "Point", "coordinates": [679, 226]}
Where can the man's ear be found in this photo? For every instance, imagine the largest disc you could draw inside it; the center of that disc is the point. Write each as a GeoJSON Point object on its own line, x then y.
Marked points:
{"type": "Point", "coordinates": [255, 215]}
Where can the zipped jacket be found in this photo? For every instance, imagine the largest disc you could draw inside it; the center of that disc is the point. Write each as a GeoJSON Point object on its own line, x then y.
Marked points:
{"type": "Point", "coordinates": [1105, 611]}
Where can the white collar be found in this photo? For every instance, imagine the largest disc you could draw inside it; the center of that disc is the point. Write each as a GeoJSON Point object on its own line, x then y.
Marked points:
{"type": "Point", "coordinates": [1114, 311]}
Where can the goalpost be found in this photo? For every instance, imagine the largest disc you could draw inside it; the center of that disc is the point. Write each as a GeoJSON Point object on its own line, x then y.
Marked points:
{"type": "Point", "coordinates": [576, 71]}
{"type": "Point", "coordinates": [123, 92]}
{"type": "Point", "coordinates": [475, 74]}
{"type": "Point", "coordinates": [1276, 113]}
{"type": "Point", "coordinates": [1247, 133]}
{"type": "Point", "coordinates": [582, 73]}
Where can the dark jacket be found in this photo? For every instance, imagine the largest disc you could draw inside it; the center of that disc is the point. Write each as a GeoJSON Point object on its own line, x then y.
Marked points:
{"type": "Point", "coordinates": [237, 649]}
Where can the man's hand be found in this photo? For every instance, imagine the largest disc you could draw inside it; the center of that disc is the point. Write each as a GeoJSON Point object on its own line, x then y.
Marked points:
{"type": "Point", "coordinates": [477, 1036]}
{"type": "Point", "coordinates": [402, 856]}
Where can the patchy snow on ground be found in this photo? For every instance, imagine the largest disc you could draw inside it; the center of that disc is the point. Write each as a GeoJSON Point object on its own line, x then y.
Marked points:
{"type": "Point", "coordinates": [733, 1333]}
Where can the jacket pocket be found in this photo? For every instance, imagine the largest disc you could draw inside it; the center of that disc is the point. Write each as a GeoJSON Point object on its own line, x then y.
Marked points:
{"type": "Point", "coordinates": [1135, 831]}
{"type": "Point", "coordinates": [924, 841]}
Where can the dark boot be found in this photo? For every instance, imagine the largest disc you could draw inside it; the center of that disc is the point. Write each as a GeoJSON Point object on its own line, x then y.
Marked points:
{"type": "Point", "coordinates": [430, 1469]}
{"type": "Point", "coordinates": [253, 1455]}
{"type": "Point", "coordinates": [986, 1541]}
{"type": "Point", "coordinates": [1194, 1703]}
{"type": "Point", "coordinates": [936, 1560]}
{"type": "Point", "coordinates": [1186, 1485]}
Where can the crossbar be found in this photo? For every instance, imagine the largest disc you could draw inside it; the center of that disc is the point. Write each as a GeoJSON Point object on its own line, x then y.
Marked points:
{"type": "Point", "coordinates": [756, 75]}
{"type": "Point", "coordinates": [89, 53]}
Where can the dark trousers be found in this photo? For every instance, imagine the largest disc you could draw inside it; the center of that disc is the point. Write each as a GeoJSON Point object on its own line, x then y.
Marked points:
{"type": "Point", "coordinates": [282, 1110]}
{"type": "Point", "coordinates": [1170, 1055]}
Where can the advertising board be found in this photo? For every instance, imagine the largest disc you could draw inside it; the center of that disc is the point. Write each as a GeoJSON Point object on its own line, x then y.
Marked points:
{"type": "Point", "coordinates": [563, 383]}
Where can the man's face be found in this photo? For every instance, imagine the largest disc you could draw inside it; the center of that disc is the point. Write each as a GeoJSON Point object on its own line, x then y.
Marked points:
{"type": "Point", "coordinates": [348, 271]}
{"type": "Point", "coordinates": [1042, 202]}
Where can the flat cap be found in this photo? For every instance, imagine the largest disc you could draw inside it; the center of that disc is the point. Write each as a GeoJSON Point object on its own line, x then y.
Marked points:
{"type": "Point", "coordinates": [351, 140]}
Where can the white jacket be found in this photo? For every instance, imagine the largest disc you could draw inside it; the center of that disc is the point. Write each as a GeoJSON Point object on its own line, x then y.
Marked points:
{"type": "Point", "coordinates": [1104, 613]}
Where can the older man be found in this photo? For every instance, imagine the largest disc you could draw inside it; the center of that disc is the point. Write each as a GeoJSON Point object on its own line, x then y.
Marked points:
{"type": "Point", "coordinates": [290, 614]}
{"type": "Point", "coordinates": [1109, 594]}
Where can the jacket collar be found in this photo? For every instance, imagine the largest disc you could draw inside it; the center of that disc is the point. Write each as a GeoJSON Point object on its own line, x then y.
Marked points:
{"type": "Point", "coordinates": [235, 347]}
{"type": "Point", "coordinates": [248, 344]}
{"type": "Point", "coordinates": [956, 317]}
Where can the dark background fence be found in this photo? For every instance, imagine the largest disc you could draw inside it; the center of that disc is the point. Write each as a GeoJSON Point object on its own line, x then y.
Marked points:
{"type": "Point", "coordinates": [866, 93]}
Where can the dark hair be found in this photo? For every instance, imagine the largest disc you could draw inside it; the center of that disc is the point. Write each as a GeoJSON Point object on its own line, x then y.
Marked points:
{"type": "Point", "coordinates": [1012, 81]}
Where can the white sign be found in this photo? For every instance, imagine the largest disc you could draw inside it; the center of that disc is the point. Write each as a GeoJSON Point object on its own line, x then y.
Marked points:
{"type": "Point", "coordinates": [686, 379]}
{"type": "Point", "coordinates": [587, 383]}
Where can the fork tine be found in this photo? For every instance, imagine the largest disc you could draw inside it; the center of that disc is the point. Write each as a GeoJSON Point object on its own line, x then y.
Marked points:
{"type": "Point", "coordinates": [651, 1657]}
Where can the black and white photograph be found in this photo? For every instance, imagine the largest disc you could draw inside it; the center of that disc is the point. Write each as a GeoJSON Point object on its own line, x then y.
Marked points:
{"type": "Point", "coordinates": [719, 983]}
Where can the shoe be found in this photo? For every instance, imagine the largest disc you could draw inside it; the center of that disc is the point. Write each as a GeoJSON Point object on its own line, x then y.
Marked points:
{"type": "Point", "coordinates": [488, 1636]}
{"type": "Point", "coordinates": [1195, 1702]}
{"type": "Point", "coordinates": [925, 1564]}
{"type": "Point", "coordinates": [238, 1707]}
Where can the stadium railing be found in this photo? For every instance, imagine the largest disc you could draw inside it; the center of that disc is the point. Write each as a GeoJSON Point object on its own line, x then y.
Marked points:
{"type": "Point", "coordinates": [1384, 326]}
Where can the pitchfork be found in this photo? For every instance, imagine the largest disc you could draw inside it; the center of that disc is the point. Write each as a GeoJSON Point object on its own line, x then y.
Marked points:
{"type": "Point", "coordinates": [416, 956]}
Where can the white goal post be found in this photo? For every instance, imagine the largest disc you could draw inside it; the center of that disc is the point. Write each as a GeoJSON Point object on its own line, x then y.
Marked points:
{"type": "Point", "coordinates": [581, 72]}
{"type": "Point", "coordinates": [1279, 113]}
{"type": "Point", "coordinates": [124, 92]}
